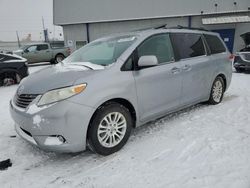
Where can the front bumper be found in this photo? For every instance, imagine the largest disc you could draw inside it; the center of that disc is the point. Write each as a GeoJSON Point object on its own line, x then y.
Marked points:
{"type": "Point", "coordinates": [66, 119]}
{"type": "Point", "coordinates": [242, 66]}
{"type": "Point", "coordinates": [241, 61]}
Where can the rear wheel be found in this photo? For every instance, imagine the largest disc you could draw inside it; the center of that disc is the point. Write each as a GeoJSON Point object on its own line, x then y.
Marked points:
{"type": "Point", "coordinates": [110, 129]}
{"type": "Point", "coordinates": [59, 58]}
{"type": "Point", "coordinates": [217, 91]}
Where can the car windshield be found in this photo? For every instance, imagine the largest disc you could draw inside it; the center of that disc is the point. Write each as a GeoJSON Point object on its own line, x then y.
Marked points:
{"type": "Point", "coordinates": [102, 52]}
{"type": "Point", "coordinates": [23, 47]}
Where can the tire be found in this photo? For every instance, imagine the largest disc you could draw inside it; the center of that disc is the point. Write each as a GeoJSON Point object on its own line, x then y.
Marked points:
{"type": "Point", "coordinates": [10, 78]}
{"type": "Point", "coordinates": [106, 137]}
{"type": "Point", "coordinates": [217, 91]}
{"type": "Point", "coordinates": [59, 58]}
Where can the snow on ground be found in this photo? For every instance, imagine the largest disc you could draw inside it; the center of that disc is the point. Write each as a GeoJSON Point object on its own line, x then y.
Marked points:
{"type": "Point", "coordinates": [202, 146]}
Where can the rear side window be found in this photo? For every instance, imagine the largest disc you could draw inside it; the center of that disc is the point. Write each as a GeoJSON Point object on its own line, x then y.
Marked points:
{"type": "Point", "coordinates": [215, 44]}
{"type": "Point", "coordinates": [159, 46]}
{"type": "Point", "coordinates": [187, 45]}
{"type": "Point", "coordinates": [42, 47]}
{"type": "Point", "coordinates": [31, 49]}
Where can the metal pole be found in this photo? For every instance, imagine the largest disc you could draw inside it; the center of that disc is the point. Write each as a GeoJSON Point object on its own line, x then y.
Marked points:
{"type": "Point", "coordinates": [189, 21]}
{"type": "Point", "coordinates": [87, 31]}
{"type": "Point", "coordinates": [43, 23]}
{"type": "Point", "coordinates": [45, 32]}
{"type": "Point", "coordinates": [18, 40]}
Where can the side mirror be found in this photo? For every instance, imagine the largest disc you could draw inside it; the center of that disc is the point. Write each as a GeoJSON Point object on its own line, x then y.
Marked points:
{"type": "Point", "coordinates": [147, 61]}
{"type": "Point", "coordinates": [26, 51]}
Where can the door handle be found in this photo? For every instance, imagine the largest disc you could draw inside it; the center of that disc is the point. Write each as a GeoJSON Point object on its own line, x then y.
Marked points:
{"type": "Point", "coordinates": [175, 70]}
{"type": "Point", "coordinates": [186, 68]}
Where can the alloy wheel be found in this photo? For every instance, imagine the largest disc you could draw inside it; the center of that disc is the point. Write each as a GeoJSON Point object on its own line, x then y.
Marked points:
{"type": "Point", "coordinates": [112, 129]}
{"type": "Point", "coordinates": [217, 91]}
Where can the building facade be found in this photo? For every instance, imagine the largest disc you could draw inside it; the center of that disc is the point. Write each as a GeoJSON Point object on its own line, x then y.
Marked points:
{"type": "Point", "coordinates": [86, 20]}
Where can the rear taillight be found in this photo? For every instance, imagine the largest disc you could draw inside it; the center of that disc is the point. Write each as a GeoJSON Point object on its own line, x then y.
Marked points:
{"type": "Point", "coordinates": [231, 57]}
{"type": "Point", "coordinates": [69, 50]}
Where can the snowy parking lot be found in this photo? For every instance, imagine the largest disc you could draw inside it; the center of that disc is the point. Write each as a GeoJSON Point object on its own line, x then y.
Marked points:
{"type": "Point", "coordinates": [202, 146]}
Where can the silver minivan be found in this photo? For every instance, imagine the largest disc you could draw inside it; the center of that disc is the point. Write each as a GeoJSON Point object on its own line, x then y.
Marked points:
{"type": "Point", "coordinates": [103, 90]}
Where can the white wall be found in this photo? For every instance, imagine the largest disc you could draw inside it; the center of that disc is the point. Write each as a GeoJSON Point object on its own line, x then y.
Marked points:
{"type": "Point", "coordinates": [98, 30]}
{"type": "Point", "coordinates": [83, 11]}
{"type": "Point", "coordinates": [77, 32]}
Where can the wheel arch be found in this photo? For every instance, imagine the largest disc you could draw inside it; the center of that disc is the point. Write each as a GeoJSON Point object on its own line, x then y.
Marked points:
{"type": "Point", "coordinates": [59, 53]}
{"type": "Point", "coordinates": [121, 101]}
{"type": "Point", "coordinates": [224, 79]}
{"type": "Point", "coordinates": [5, 73]}
{"type": "Point", "coordinates": [9, 70]}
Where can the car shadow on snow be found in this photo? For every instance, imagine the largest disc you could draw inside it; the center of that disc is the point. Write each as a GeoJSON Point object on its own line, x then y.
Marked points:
{"type": "Point", "coordinates": [229, 98]}
{"type": "Point", "coordinates": [158, 124]}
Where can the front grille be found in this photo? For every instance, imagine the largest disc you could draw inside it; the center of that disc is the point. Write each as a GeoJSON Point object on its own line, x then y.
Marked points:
{"type": "Point", "coordinates": [24, 100]}
{"type": "Point", "coordinates": [247, 56]}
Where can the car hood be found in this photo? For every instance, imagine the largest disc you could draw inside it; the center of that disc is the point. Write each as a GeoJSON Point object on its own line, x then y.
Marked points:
{"type": "Point", "coordinates": [246, 38]}
{"type": "Point", "coordinates": [56, 76]}
{"type": "Point", "coordinates": [18, 52]}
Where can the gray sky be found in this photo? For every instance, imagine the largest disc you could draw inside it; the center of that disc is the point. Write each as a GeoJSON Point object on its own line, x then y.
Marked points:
{"type": "Point", "coordinates": [25, 16]}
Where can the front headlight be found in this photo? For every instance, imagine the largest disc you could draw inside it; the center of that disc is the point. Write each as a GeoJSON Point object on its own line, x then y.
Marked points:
{"type": "Point", "coordinates": [60, 94]}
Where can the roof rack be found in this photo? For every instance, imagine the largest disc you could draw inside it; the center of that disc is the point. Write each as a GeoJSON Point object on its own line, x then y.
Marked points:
{"type": "Point", "coordinates": [161, 27]}
{"type": "Point", "coordinates": [174, 27]}
{"type": "Point", "coordinates": [156, 27]}
{"type": "Point", "coordinates": [191, 28]}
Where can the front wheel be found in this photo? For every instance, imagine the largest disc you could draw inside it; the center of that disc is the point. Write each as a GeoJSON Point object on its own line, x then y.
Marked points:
{"type": "Point", "coordinates": [9, 78]}
{"type": "Point", "coordinates": [217, 91]}
{"type": "Point", "coordinates": [110, 129]}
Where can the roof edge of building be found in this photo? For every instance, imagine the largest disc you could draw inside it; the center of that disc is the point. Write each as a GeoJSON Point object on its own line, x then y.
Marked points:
{"type": "Point", "coordinates": [147, 18]}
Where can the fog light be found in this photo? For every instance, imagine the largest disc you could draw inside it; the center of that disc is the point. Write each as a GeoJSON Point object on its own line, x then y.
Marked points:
{"type": "Point", "coordinates": [61, 138]}
{"type": "Point", "coordinates": [54, 140]}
